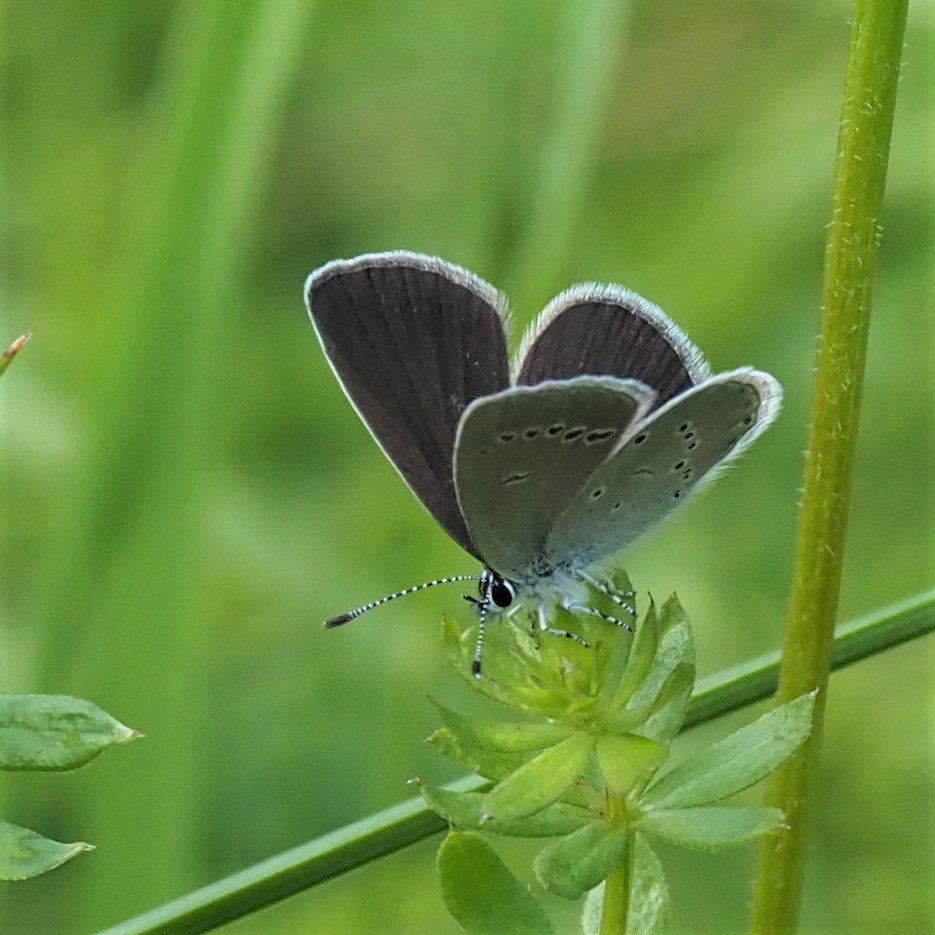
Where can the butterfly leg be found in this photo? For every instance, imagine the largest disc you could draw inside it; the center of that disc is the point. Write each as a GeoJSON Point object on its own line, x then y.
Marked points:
{"type": "Point", "coordinates": [623, 599]}
{"type": "Point", "coordinates": [544, 626]}
{"type": "Point", "coordinates": [594, 612]}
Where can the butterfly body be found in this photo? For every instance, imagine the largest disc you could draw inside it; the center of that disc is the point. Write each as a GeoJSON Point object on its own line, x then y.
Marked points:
{"type": "Point", "coordinates": [607, 420]}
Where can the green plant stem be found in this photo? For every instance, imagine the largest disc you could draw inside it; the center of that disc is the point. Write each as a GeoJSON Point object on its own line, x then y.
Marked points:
{"type": "Point", "coordinates": [386, 832]}
{"type": "Point", "coordinates": [6, 358]}
{"type": "Point", "coordinates": [853, 237]}
{"type": "Point", "coordinates": [616, 908]}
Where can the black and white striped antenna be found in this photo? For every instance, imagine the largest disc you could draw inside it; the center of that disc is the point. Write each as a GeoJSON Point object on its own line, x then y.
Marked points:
{"type": "Point", "coordinates": [353, 614]}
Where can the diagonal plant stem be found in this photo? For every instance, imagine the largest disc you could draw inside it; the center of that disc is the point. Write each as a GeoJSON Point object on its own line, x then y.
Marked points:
{"type": "Point", "coordinates": [850, 253]}
{"type": "Point", "coordinates": [386, 832]}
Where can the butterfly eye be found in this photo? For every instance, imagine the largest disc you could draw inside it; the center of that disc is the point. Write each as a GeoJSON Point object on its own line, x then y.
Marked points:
{"type": "Point", "coordinates": [502, 592]}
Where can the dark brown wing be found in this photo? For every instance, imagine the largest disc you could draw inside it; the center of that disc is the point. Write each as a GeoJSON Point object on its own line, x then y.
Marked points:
{"type": "Point", "coordinates": [610, 331]}
{"type": "Point", "coordinates": [412, 340]}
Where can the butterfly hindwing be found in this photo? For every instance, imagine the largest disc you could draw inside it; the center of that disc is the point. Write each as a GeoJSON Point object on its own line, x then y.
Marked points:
{"type": "Point", "coordinates": [660, 462]}
{"type": "Point", "coordinates": [598, 329]}
{"type": "Point", "coordinates": [523, 454]}
{"type": "Point", "coordinates": [413, 340]}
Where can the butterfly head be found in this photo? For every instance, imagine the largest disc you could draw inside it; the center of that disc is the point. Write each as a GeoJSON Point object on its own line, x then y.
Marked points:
{"type": "Point", "coordinates": [495, 592]}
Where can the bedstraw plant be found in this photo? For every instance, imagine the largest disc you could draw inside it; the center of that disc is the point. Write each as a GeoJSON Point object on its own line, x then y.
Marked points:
{"type": "Point", "coordinates": [579, 753]}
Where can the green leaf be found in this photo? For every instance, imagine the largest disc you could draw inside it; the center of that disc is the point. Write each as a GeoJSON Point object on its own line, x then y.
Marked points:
{"type": "Point", "coordinates": [676, 648]}
{"type": "Point", "coordinates": [465, 811]}
{"type": "Point", "coordinates": [579, 862]}
{"type": "Point", "coordinates": [591, 911]}
{"type": "Point", "coordinates": [670, 707]}
{"type": "Point", "coordinates": [649, 894]}
{"type": "Point", "coordinates": [673, 694]}
{"type": "Point", "coordinates": [641, 659]}
{"type": "Point", "coordinates": [490, 765]}
{"type": "Point", "coordinates": [711, 827]}
{"type": "Point", "coordinates": [24, 853]}
{"type": "Point", "coordinates": [625, 760]}
{"type": "Point", "coordinates": [736, 762]}
{"type": "Point", "coordinates": [482, 894]}
{"type": "Point", "coordinates": [541, 781]}
{"type": "Point", "coordinates": [501, 736]}
{"type": "Point", "coordinates": [54, 732]}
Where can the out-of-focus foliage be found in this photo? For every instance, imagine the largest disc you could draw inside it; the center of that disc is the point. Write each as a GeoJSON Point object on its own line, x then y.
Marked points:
{"type": "Point", "coordinates": [187, 494]}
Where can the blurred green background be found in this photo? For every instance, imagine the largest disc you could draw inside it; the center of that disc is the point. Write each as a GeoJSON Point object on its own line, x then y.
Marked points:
{"type": "Point", "coordinates": [188, 494]}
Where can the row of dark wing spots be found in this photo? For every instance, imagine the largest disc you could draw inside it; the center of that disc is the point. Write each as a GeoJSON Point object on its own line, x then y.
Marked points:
{"type": "Point", "coordinates": [741, 428]}
{"type": "Point", "coordinates": [690, 438]}
{"type": "Point", "coordinates": [594, 437]}
{"type": "Point", "coordinates": [682, 466]}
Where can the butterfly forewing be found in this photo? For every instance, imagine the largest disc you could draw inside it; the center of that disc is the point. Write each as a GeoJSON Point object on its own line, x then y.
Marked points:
{"type": "Point", "coordinates": [413, 340]}
{"type": "Point", "coordinates": [660, 462]}
{"type": "Point", "coordinates": [608, 330]}
{"type": "Point", "coordinates": [522, 455]}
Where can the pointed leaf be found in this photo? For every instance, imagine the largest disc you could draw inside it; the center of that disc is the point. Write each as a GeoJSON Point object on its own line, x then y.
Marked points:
{"type": "Point", "coordinates": [649, 895]}
{"type": "Point", "coordinates": [465, 811]}
{"type": "Point", "coordinates": [644, 650]}
{"type": "Point", "coordinates": [490, 765]}
{"type": "Point", "coordinates": [501, 736]}
{"type": "Point", "coordinates": [626, 760]}
{"type": "Point", "coordinates": [712, 827]}
{"type": "Point", "coordinates": [736, 762]}
{"type": "Point", "coordinates": [541, 781]}
{"type": "Point", "coordinates": [591, 911]}
{"type": "Point", "coordinates": [674, 692]}
{"type": "Point", "coordinates": [676, 648]}
{"type": "Point", "coordinates": [24, 853]}
{"type": "Point", "coordinates": [482, 894]}
{"type": "Point", "coordinates": [580, 861]}
{"type": "Point", "coordinates": [54, 732]}
{"type": "Point", "coordinates": [671, 705]}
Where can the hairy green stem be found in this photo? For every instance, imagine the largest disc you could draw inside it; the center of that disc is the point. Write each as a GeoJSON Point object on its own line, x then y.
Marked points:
{"type": "Point", "coordinates": [850, 253]}
{"type": "Point", "coordinates": [378, 835]}
{"type": "Point", "coordinates": [616, 909]}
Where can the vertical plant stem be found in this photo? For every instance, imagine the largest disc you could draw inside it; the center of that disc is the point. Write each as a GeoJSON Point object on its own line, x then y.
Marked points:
{"type": "Point", "coordinates": [616, 909]}
{"type": "Point", "coordinates": [850, 253]}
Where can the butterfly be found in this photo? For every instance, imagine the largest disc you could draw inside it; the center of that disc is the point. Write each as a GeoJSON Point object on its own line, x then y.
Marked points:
{"type": "Point", "coordinates": [608, 418]}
